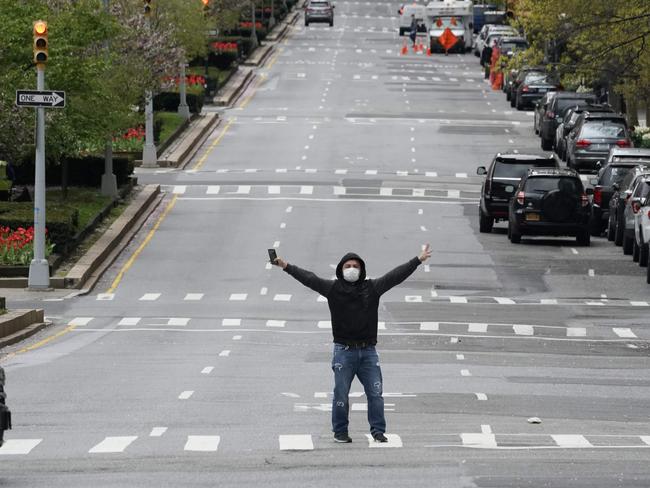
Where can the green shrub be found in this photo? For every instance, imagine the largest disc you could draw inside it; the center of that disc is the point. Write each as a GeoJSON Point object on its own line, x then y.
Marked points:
{"type": "Point", "coordinates": [82, 171]}
{"type": "Point", "coordinates": [169, 101]}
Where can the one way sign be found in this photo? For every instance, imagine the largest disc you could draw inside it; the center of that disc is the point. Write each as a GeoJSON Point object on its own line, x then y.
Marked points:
{"type": "Point", "coordinates": [35, 98]}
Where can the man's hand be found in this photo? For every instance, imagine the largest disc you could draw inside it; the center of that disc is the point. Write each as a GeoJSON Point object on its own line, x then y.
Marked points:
{"type": "Point", "coordinates": [426, 253]}
{"type": "Point", "coordinates": [280, 262]}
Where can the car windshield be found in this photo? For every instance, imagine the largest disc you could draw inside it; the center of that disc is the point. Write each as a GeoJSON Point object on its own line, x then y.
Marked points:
{"type": "Point", "coordinates": [564, 104]}
{"type": "Point", "coordinates": [545, 184]}
{"type": "Point", "coordinates": [614, 174]}
{"type": "Point", "coordinates": [513, 46]}
{"type": "Point", "coordinates": [642, 189]}
{"type": "Point", "coordinates": [319, 4]}
{"type": "Point", "coordinates": [535, 77]}
{"type": "Point", "coordinates": [519, 169]}
{"type": "Point", "coordinates": [631, 157]}
{"type": "Point", "coordinates": [447, 22]}
{"type": "Point", "coordinates": [604, 129]}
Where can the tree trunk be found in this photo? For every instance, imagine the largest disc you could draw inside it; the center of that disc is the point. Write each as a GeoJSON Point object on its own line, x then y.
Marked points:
{"type": "Point", "coordinates": [633, 111]}
{"type": "Point", "coordinates": [64, 179]}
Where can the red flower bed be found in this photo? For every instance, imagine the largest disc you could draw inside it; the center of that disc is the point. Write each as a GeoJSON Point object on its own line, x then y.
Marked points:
{"type": "Point", "coordinates": [17, 246]}
{"type": "Point", "coordinates": [225, 47]}
{"type": "Point", "coordinates": [249, 25]}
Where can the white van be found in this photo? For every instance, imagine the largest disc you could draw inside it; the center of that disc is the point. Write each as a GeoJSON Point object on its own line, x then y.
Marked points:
{"type": "Point", "coordinates": [406, 11]}
{"type": "Point", "coordinates": [455, 15]}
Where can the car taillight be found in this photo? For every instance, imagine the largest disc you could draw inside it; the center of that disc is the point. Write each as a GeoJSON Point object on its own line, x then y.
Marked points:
{"type": "Point", "coordinates": [520, 197]}
{"type": "Point", "coordinates": [584, 200]}
{"type": "Point", "coordinates": [598, 195]}
{"type": "Point", "coordinates": [550, 115]}
{"type": "Point", "coordinates": [525, 88]}
{"type": "Point", "coordinates": [636, 206]}
{"type": "Point", "coordinates": [649, 214]}
{"type": "Point", "coordinates": [583, 143]}
{"type": "Point", "coordinates": [623, 143]}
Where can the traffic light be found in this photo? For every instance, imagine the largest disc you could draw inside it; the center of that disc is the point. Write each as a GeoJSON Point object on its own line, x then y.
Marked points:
{"type": "Point", "coordinates": [206, 6]}
{"type": "Point", "coordinates": [147, 7]}
{"type": "Point", "coordinates": [40, 42]}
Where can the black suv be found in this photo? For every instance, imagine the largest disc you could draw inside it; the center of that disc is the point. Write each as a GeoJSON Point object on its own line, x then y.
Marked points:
{"type": "Point", "coordinates": [609, 178]}
{"type": "Point", "coordinates": [550, 202]}
{"type": "Point", "coordinates": [502, 177]}
{"type": "Point", "coordinates": [5, 414]}
{"type": "Point", "coordinates": [515, 79]}
{"type": "Point", "coordinates": [554, 112]}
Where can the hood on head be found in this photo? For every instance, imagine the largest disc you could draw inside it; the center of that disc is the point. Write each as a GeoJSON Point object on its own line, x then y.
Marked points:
{"type": "Point", "coordinates": [347, 257]}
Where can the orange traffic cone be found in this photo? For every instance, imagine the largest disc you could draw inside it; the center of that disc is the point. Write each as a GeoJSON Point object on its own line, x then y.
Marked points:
{"type": "Point", "coordinates": [428, 51]}
{"type": "Point", "coordinates": [421, 47]}
{"type": "Point", "coordinates": [405, 49]}
{"type": "Point", "coordinates": [498, 81]}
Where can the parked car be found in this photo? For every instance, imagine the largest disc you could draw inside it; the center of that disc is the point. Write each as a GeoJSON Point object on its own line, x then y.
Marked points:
{"type": "Point", "coordinates": [532, 88]}
{"type": "Point", "coordinates": [622, 193]}
{"type": "Point", "coordinates": [609, 177]}
{"type": "Point", "coordinates": [641, 228]}
{"type": "Point", "coordinates": [5, 414]}
{"type": "Point", "coordinates": [568, 123]}
{"type": "Point", "coordinates": [539, 109]}
{"type": "Point", "coordinates": [319, 11]}
{"type": "Point", "coordinates": [501, 179]}
{"type": "Point", "coordinates": [550, 202]}
{"type": "Point", "coordinates": [621, 154]}
{"type": "Point", "coordinates": [515, 79]}
{"type": "Point", "coordinates": [639, 192]}
{"type": "Point", "coordinates": [555, 111]}
{"type": "Point", "coordinates": [592, 137]}
{"type": "Point", "coordinates": [643, 235]}
{"type": "Point", "coordinates": [486, 30]}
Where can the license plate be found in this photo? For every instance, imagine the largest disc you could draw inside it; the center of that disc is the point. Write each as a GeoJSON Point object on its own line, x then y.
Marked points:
{"type": "Point", "coordinates": [532, 217]}
{"type": "Point", "coordinates": [542, 90]}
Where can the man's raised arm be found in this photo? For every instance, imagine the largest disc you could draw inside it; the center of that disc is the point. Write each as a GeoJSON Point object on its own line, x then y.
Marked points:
{"type": "Point", "coordinates": [305, 277]}
{"type": "Point", "coordinates": [399, 274]}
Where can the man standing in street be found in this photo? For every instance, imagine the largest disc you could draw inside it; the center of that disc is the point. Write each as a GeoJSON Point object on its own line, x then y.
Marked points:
{"type": "Point", "coordinates": [354, 302]}
{"type": "Point", "coordinates": [413, 34]}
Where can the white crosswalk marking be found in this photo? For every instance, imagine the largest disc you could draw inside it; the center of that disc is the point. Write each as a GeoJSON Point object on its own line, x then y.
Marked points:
{"type": "Point", "coordinates": [527, 330]}
{"type": "Point", "coordinates": [576, 331]}
{"type": "Point", "coordinates": [431, 174]}
{"type": "Point", "coordinates": [158, 431]}
{"type": "Point", "coordinates": [339, 190]}
{"type": "Point", "coordinates": [274, 190]}
{"type": "Point", "coordinates": [105, 296]}
{"type": "Point", "coordinates": [18, 446]}
{"type": "Point", "coordinates": [224, 354]}
{"type": "Point", "coordinates": [475, 327]}
{"type": "Point", "coordinates": [186, 395]}
{"type": "Point", "coordinates": [481, 396]}
{"type": "Point", "coordinates": [381, 325]}
{"type": "Point", "coordinates": [194, 296]}
{"type": "Point", "coordinates": [429, 326]}
{"type": "Point", "coordinates": [624, 332]}
{"type": "Point", "coordinates": [130, 321]}
{"type": "Point", "coordinates": [413, 298]}
{"type": "Point", "coordinates": [296, 443]}
{"type": "Point", "coordinates": [393, 441]}
{"type": "Point", "coordinates": [207, 370]}
{"type": "Point", "coordinates": [276, 323]}
{"type": "Point", "coordinates": [238, 297]}
{"type": "Point", "coordinates": [639, 304]}
{"type": "Point", "coordinates": [80, 321]}
{"type": "Point", "coordinates": [282, 298]}
{"type": "Point", "coordinates": [457, 300]}
{"type": "Point", "coordinates": [324, 324]}
{"type": "Point", "coordinates": [571, 441]}
{"type": "Point", "coordinates": [548, 301]}
{"type": "Point", "coordinates": [306, 190]}
{"type": "Point", "coordinates": [213, 190]}
{"type": "Point", "coordinates": [243, 190]}
{"type": "Point", "coordinates": [385, 192]}
{"type": "Point", "coordinates": [202, 443]}
{"type": "Point", "coordinates": [178, 321]}
{"type": "Point", "coordinates": [113, 444]}
{"type": "Point", "coordinates": [453, 193]}
{"type": "Point", "coordinates": [484, 441]}
{"type": "Point", "coordinates": [231, 322]}
{"type": "Point", "coordinates": [504, 301]}
{"type": "Point", "coordinates": [179, 189]}
{"type": "Point", "coordinates": [150, 297]}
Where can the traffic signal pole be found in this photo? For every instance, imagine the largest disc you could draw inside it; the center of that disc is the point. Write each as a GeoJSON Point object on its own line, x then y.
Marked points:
{"type": "Point", "coordinates": [109, 180]}
{"type": "Point", "coordinates": [149, 151]}
{"type": "Point", "coordinates": [39, 268]}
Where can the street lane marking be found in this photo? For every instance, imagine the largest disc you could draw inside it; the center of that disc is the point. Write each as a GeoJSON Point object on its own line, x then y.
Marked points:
{"type": "Point", "coordinates": [429, 325]}
{"type": "Point", "coordinates": [393, 441]}
{"type": "Point", "coordinates": [264, 291]}
{"type": "Point", "coordinates": [481, 396]}
{"type": "Point", "coordinates": [457, 299]}
{"type": "Point", "coordinates": [386, 192]}
{"type": "Point", "coordinates": [282, 298]}
{"type": "Point", "coordinates": [624, 332]}
{"type": "Point", "coordinates": [504, 301]}
{"type": "Point", "coordinates": [213, 190]}
{"type": "Point", "coordinates": [413, 298]}
{"type": "Point", "coordinates": [158, 431]}
{"type": "Point", "coordinates": [105, 296]}
{"type": "Point", "coordinates": [236, 338]}
{"type": "Point", "coordinates": [194, 296]}
{"type": "Point", "coordinates": [527, 330]}
{"type": "Point", "coordinates": [477, 328]}
{"type": "Point", "coordinates": [306, 190]}
{"type": "Point", "coordinates": [231, 322]}
{"type": "Point", "coordinates": [130, 321]}
{"type": "Point", "coordinates": [202, 443]}
{"type": "Point", "coordinates": [484, 441]}
{"type": "Point", "coordinates": [216, 142]}
{"type": "Point", "coordinates": [276, 323]}
{"type": "Point", "coordinates": [186, 395]}
{"type": "Point", "coordinates": [274, 190]}
{"type": "Point", "coordinates": [113, 444]}
{"type": "Point", "coordinates": [576, 331]}
{"type": "Point", "coordinates": [243, 190]}
{"type": "Point", "coordinates": [224, 354]}
{"type": "Point", "coordinates": [80, 321]}
{"type": "Point", "coordinates": [296, 443]}
{"type": "Point", "coordinates": [324, 324]}
{"type": "Point", "coordinates": [381, 325]}
{"type": "Point", "coordinates": [639, 304]}
{"type": "Point", "coordinates": [486, 429]}
{"type": "Point", "coordinates": [18, 446]}
{"type": "Point", "coordinates": [238, 297]}
{"type": "Point", "coordinates": [460, 357]}
{"type": "Point", "coordinates": [179, 189]}
{"type": "Point", "coordinates": [465, 372]}
{"type": "Point", "coordinates": [207, 370]}
{"type": "Point", "coordinates": [548, 301]}
{"type": "Point", "coordinates": [149, 297]}
{"type": "Point", "coordinates": [572, 441]}
{"type": "Point", "coordinates": [178, 321]}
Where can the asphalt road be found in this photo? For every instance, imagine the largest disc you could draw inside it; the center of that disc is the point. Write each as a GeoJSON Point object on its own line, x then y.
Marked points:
{"type": "Point", "coordinates": [193, 363]}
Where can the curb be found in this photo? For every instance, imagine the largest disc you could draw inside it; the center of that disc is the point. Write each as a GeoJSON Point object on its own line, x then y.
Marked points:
{"type": "Point", "coordinates": [234, 88]}
{"type": "Point", "coordinates": [17, 325]}
{"type": "Point", "coordinates": [188, 142]}
{"type": "Point", "coordinates": [260, 55]}
{"type": "Point", "coordinates": [105, 250]}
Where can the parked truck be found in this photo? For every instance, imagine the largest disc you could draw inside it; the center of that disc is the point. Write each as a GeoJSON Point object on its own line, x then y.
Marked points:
{"type": "Point", "coordinates": [454, 16]}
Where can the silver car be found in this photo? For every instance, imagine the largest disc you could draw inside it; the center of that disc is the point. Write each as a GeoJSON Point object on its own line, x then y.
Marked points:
{"type": "Point", "coordinates": [319, 11]}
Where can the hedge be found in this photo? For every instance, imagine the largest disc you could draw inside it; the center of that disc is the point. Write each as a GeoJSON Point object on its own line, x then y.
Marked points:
{"type": "Point", "coordinates": [61, 220]}
{"type": "Point", "coordinates": [169, 101]}
{"type": "Point", "coordinates": [86, 171]}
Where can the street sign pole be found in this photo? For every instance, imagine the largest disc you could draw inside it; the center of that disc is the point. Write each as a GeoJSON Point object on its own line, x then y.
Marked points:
{"type": "Point", "coordinates": [39, 269]}
{"type": "Point", "coordinates": [109, 180]}
{"type": "Point", "coordinates": [149, 152]}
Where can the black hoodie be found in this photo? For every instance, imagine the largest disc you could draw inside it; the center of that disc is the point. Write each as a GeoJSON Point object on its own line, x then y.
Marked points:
{"type": "Point", "coordinates": [354, 306]}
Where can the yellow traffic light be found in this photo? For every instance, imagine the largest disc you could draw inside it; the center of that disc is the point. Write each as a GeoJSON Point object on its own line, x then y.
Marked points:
{"type": "Point", "coordinates": [40, 42]}
{"type": "Point", "coordinates": [206, 6]}
{"type": "Point", "coordinates": [147, 7]}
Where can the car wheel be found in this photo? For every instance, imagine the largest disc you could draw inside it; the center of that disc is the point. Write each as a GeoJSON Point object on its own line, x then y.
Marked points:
{"type": "Point", "coordinates": [401, 31]}
{"type": "Point", "coordinates": [520, 106]}
{"type": "Point", "coordinates": [513, 236]}
{"type": "Point", "coordinates": [583, 238]}
{"type": "Point", "coordinates": [485, 222]}
{"type": "Point", "coordinates": [643, 255]}
{"type": "Point", "coordinates": [512, 99]}
{"type": "Point", "coordinates": [628, 245]}
{"type": "Point", "coordinates": [331, 24]}
{"type": "Point", "coordinates": [611, 229]}
{"type": "Point", "coordinates": [547, 144]}
{"type": "Point", "coordinates": [636, 251]}
{"type": "Point", "coordinates": [306, 23]}
{"type": "Point", "coordinates": [508, 95]}
{"type": "Point", "coordinates": [619, 233]}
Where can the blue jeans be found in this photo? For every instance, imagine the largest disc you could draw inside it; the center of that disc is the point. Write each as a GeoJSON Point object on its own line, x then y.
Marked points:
{"type": "Point", "coordinates": [364, 363]}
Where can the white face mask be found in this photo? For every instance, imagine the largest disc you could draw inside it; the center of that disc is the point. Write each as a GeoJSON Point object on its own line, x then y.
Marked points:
{"type": "Point", "coordinates": [351, 274]}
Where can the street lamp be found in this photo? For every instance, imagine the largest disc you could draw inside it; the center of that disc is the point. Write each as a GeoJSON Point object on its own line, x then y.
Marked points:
{"type": "Point", "coordinates": [254, 42]}
{"type": "Point", "coordinates": [109, 181]}
{"type": "Point", "coordinates": [272, 18]}
{"type": "Point", "coordinates": [149, 152]}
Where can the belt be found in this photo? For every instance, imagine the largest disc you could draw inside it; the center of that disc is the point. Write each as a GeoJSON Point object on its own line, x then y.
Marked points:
{"type": "Point", "coordinates": [356, 345]}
